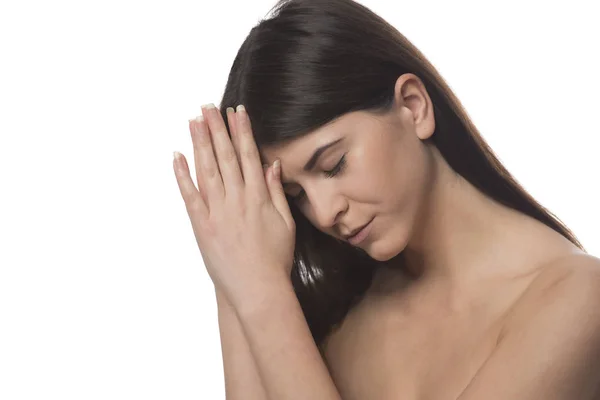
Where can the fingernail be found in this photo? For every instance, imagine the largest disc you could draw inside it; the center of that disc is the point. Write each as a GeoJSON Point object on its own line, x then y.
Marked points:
{"type": "Point", "coordinates": [199, 118]}
{"type": "Point", "coordinates": [177, 158]}
{"type": "Point", "coordinates": [241, 108]}
{"type": "Point", "coordinates": [208, 106]}
{"type": "Point", "coordinates": [229, 110]}
{"type": "Point", "coordinates": [277, 168]}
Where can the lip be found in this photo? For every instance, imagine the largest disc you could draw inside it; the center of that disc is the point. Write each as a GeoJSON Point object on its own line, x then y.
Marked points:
{"type": "Point", "coordinates": [361, 235]}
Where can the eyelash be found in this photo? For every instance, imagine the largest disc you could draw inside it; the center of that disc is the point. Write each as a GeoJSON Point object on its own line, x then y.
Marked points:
{"type": "Point", "coordinates": [329, 174]}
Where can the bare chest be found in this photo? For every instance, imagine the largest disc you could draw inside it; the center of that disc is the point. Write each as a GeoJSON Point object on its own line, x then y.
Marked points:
{"type": "Point", "coordinates": [387, 356]}
{"type": "Point", "coordinates": [392, 348]}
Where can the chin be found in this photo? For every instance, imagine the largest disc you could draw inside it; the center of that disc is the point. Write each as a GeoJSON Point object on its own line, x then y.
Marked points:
{"type": "Point", "coordinates": [387, 247]}
{"type": "Point", "coordinates": [382, 257]}
{"type": "Point", "coordinates": [384, 251]}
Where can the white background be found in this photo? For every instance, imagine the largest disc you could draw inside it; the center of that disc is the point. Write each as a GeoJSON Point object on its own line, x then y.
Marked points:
{"type": "Point", "coordinates": [103, 294]}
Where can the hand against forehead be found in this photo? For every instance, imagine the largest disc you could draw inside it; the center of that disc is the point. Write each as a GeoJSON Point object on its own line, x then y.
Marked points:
{"type": "Point", "coordinates": [240, 216]}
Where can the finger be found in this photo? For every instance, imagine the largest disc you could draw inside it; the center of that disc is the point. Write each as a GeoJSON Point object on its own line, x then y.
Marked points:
{"type": "Point", "coordinates": [209, 169]}
{"type": "Point", "coordinates": [249, 156]}
{"type": "Point", "coordinates": [224, 151]}
{"type": "Point", "coordinates": [199, 180]}
{"type": "Point", "coordinates": [231, 120]}
{"type": "Point", "coordinates": [191, 197]}
{"type": "Point", "coordinates": [278, 195]}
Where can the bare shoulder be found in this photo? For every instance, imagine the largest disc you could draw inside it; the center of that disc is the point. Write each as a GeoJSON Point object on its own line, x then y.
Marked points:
{"type": "Point", "coordinates": [568, 286]}
{"type": "Point", "coordinates": [550, 347]}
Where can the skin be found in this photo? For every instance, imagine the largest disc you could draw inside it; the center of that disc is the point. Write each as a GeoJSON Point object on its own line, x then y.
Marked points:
{"type": "Point", "coordinates": [450, 232]}
{"type": "Point", "coordinates": [478, 273]}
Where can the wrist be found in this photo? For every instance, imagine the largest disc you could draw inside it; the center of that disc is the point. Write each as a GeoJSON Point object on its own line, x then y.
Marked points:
{"type": "Point", "coordinates": [223, 302]}
{"type": "Point", "coordinates": [265, 300]}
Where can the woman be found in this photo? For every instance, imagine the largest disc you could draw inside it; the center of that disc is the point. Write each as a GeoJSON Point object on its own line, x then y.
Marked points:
{"type": "Point", "coordinates": [401, 260]}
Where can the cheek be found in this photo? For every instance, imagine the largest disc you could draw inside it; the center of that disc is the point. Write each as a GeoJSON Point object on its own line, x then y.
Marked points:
{"type": "Point", "coordinates": [401, 181]}
{"type": "Point", "coordinates": [372, 173]}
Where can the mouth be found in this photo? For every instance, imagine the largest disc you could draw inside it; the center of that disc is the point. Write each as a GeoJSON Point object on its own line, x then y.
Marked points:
{"type": "Point", "coordinates": [359, 234]}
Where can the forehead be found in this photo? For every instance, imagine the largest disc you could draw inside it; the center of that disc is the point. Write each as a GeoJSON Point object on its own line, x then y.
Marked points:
{"type": "Point", "coordinates": [289, 150]}
{"type": "Point", "coordinates": [298, 150]}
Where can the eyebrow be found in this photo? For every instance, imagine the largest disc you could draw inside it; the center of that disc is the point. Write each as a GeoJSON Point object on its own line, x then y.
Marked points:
{"type": "Point", "coordinates": [312, 161]}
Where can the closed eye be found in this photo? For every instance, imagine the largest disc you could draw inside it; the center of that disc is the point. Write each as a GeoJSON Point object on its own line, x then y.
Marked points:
{"type": "Point", "coordinates": [329, 174]}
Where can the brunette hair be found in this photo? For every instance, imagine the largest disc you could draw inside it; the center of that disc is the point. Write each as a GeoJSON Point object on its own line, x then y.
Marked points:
{"type": "Point", "coordinates": [316, 60]}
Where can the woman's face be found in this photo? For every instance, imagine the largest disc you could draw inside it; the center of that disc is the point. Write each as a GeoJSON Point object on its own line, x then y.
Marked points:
{"type": "Point", "coordinates": [383, 171]}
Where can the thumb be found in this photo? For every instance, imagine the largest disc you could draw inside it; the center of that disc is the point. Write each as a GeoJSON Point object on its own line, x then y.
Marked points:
{"type": "Point", "coordinates": [277, 194]}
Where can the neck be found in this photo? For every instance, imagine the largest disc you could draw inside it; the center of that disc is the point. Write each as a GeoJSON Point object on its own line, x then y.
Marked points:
{"type": "Point", "coordinates": [464, 236]}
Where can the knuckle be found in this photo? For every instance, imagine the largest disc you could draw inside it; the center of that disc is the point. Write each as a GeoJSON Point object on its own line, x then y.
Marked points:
{"type": "Point", "coordinates": [193, 203]}
{"type": "Point", "coordinates": [211, 171]}
{"type": "Point", "coordinates": [251, 197]}
{"type": "Point", "coordinates": [236, 197]}
{"type": "Point", "coordinates": [260, 199]}
{"type": "Point", "coordinates": [204, 140]}
{"type": "Point", "coordinates": [229, 156]}
{"type": "Point", "coordinates": [248, 152]}
{"type": "Point", "coordinates": [204, 147]}
{"type": "Point", "coordinates": [235, 201]}
{"type": "Point", "coordinates": [210, 228]}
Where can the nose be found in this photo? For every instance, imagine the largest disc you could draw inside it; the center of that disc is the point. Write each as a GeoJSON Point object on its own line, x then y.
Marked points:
{"type": "Point", "coordinates": [327, 206]}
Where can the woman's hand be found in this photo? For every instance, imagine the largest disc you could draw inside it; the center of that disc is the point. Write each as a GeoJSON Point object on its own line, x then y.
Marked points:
{"type": "Point", "coordinates": [239, 213]}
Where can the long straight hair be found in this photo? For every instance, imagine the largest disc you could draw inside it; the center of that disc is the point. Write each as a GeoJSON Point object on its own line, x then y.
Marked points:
{"type": "Point", "coordinates": [313, 61]}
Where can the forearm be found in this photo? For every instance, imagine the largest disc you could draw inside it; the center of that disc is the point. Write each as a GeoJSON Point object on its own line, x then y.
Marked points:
{"type": "Point", "coordinates": [284, 350]}
{"type": "Point", "coordinates": [242, 380]}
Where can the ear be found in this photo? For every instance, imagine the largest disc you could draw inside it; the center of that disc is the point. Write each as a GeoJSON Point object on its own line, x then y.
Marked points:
{"type": "Point", "coordinates": [414, 103]}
